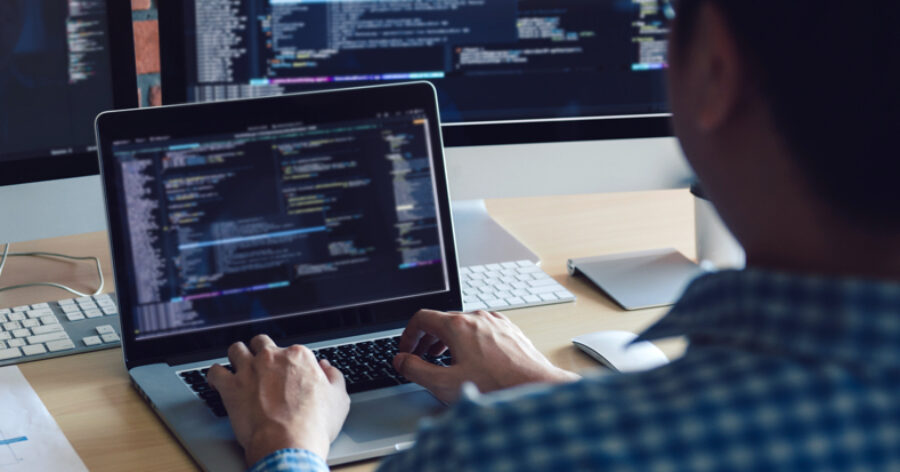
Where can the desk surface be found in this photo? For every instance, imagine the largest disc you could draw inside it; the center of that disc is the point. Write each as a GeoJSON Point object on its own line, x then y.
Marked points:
{"type": "Point", "coordinates": [113, 429]}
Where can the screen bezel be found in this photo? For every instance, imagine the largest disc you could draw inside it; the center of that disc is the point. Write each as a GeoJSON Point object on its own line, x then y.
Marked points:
{"type": "Point", "coordinates": [237, 114]}
{"type": "Point", "coordinates": [125, 95]}
{"type": "Point", "coordinates": [593, 128]}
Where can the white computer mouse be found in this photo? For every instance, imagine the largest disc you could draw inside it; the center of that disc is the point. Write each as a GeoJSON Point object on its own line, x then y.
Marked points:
{"type": "Point", "coordinates": [613, 349]}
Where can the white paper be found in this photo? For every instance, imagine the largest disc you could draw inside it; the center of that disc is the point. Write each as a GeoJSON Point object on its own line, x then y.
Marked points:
{"type": "Point", "coordinates": [30, 439]}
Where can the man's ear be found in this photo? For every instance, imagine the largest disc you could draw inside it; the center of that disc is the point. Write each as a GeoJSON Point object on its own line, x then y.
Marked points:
{"type": "Point", "coordinates": [719, 69]}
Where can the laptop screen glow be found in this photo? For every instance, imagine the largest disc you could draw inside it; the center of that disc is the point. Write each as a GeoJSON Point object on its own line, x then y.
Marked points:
{"type": "Point", "coordinates": [281, 219]}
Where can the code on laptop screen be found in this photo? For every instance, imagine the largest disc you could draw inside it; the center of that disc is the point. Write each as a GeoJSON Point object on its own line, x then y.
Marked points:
{"type": "Point", "coordinates": [280, 220]}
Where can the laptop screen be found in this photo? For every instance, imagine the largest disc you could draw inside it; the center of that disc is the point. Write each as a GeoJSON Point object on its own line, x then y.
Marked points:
{"type": "Point", "coordinates": [279, 219]}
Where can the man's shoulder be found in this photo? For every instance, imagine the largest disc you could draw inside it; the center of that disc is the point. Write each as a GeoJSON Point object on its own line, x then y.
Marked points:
{"type": "Point", "coordinates": [716, 406]}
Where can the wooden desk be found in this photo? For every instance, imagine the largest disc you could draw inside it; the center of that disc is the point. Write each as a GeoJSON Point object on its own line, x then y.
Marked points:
{"type": "Point", "coordinates": [113, 429]}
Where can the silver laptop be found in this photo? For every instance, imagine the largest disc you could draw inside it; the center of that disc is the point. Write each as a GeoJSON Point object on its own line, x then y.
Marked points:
{"type": "Point", "coordinates": [319, 218]}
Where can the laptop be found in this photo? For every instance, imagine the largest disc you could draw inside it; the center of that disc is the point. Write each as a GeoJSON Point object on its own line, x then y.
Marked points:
{"type": "Point", "coordinates": [318, 218]}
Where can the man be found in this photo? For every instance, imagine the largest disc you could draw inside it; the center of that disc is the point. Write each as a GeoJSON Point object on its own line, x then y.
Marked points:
{"type": "Point", "coordinates": [787, 111]}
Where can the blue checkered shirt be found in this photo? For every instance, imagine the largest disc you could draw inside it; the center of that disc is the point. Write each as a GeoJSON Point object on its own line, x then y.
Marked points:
{"type": "Point", "coordinates": [782, 373]}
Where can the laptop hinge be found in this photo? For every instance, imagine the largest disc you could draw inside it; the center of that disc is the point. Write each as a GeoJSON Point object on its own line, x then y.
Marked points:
{"type": "Point", "coordinates": [195, 357]}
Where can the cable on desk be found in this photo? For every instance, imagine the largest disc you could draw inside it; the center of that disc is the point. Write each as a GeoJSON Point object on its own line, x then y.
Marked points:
{"type": "Point", "coordinates": [6, 254]}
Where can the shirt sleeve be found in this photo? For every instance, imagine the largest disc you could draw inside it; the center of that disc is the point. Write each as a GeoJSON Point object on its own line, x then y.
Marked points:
{"type": "Point", "coordinates": [291, 460]}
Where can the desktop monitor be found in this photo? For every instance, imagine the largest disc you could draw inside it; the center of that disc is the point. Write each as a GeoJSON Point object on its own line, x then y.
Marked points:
{"type": "Point", "coordinates": [62, 62]}
{"type": "Point", "coordinates": [538, 97]}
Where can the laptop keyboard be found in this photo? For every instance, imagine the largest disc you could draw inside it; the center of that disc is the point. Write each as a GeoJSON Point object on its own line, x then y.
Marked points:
{"type": "Point", "coordinates": [366, 366]}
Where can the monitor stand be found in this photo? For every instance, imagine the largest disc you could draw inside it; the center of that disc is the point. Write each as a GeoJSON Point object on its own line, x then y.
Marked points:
{"type": "Point", "coordinates": [481, 240]}
{"type": "Point", "coordinates": [51, 209]}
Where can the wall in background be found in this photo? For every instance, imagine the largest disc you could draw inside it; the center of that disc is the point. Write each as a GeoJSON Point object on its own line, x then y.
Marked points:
{"type": "Point", "coordinates": [146, 45]}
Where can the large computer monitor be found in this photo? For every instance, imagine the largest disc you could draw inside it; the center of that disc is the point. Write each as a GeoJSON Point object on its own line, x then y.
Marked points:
{"type": "Point", "coordinates": [538, 97]}
{"type": "Point", "coordinates": [61, 63]}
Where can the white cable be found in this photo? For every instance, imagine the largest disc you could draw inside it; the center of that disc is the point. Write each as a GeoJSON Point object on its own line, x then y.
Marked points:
{"type": "Point", "coordinates": [3, 259]}
{"type": "Point", "coordinates": [96, 260]}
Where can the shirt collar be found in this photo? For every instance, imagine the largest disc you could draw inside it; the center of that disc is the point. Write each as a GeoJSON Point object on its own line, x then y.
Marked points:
{"type": "Point", "coordinates": [810, 317]}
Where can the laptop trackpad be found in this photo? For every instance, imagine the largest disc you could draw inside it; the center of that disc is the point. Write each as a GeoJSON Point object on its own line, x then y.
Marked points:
{"type": "Point", "coordinates": [389, 416]}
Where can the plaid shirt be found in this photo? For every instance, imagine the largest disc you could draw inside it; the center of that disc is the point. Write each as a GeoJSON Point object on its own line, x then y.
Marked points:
{"type": "Point", "coordinates": [782, 373]}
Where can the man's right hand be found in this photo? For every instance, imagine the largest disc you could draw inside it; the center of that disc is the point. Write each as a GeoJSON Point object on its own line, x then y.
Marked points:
{"type": "Point", "coordinates": [488, 350]}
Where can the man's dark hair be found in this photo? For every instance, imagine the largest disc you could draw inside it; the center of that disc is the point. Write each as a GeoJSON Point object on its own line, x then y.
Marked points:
{"type": "Point", "coordinates": [830, 70]}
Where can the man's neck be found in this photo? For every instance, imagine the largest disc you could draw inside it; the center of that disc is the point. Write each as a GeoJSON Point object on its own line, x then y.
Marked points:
{"type": "Point", "coordinates": [832, 251]}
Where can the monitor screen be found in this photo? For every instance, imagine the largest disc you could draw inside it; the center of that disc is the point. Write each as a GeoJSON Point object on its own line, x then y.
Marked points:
{"type": "Point", "coordinates": [491, 60]}
{"type": "Point", "coordinates": [55, 77]}
{"type": "Point", "coordinates": [344, 213]}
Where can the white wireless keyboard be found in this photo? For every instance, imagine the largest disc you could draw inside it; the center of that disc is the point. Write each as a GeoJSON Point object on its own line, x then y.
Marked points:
{"type": "Point", "coordinates": [508, 286]}
{"type": "Point", "coordinates": [45, 330]}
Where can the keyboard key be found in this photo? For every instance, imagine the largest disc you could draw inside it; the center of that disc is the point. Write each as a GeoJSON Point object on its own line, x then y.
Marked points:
{"type": "Point", "coordinates": [543, 282]}
{"type": "Point", "coordinates": [515, 301]}
{"type": "Point", "coordinates": [67, 301]}
{"type": "Point", "coordinates": [12, 325]}
{"type": "Point", "coordinates": [4, 335]}
{"type": "Point", "coordinates": [30, 323]}
{"type": "Point", "coordinates": [110, 311]}
{"type": "Point", "coordinates": [70, 309]}
{"type": "Point", "coordinates": [41, 306]}
{"type": "Point", "coordinates": [54, 328]}
{"type": "Point", "coordinates": [21, 333]}
{"type": "Point", "coordinates": [75, 316]}
{"type": "Point", "coordinates": [509, 265]}
{"type": "Point", "coordinates": [92, 341]}
{"type": "Point", "coordinates": [542, 290]}
{"type": "Point", "coordinates": [84, 299]}
{"type": "Point", "coordinates": [548, 297]}
{"type": "Point", "coordinates": [367, 385]}
{"type": "Point", "coordinates": [49, 320]}
{"type": "Point", "coordinates": [6, 354]}
{"type": "Point", "coordinates": [93, 313]}
{"type": "Point", "coordinates": [34, 350]}
{"type": "Point", "coordinates": [531, 299]}
{"type": "Point", "coordinates": [110, 338]}
{"type": "Point", "coordinates": [3, 319]}
{"type": "Point", "coordinates": [20, 309]}
{"type": "Point", "coordinates": [48, 338]}
{"type": "Point", "coordinates": [19, 316]}
{"type": "Point", "coordinates": [106, 329]}
{"type": "Point", "coordinates": [88, 306]}
{"type": "Point", "coordinates": [56, 346]}
{"type": "Point", "coordinates": [37, 313]}
{"type": "Point", "coordinates": [16, 342]}
{"type": "Point", "coordinates": [496, 304]}
{"type": "Point", "coordinates": [5, 311]}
